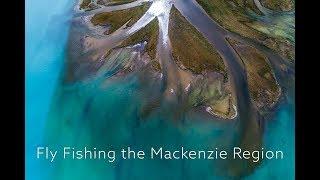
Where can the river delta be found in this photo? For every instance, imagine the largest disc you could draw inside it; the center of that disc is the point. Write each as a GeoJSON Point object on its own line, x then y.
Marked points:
{"type": "Point", "coordinates": [171, 73]}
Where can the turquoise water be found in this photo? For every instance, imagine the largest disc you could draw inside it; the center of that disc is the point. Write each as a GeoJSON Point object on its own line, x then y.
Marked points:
{"type": "Point", "coordinates": [112, 114]}
{"type": "Point", "coordinates": [45, 43]}
{"type": "Point", "coordinates": [280, 133]}
{"type": "Point", "coordinates": [108, 116]}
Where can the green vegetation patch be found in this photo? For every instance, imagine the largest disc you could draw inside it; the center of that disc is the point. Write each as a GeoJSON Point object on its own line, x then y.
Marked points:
{"type": "Point", "coordinates": [190, 48]}
{"type": "Point", "coordinates": [85, 4]}
{"type": "Point", "coordinates": [280, 5]}
{"type": "Point", "coordinates": [245, 4]}
{"type": "Point", "coordinates": [236, 16]}
{"type": "Point", "coordinates": [117, 19]}
{"type": "Point", "coordinates": [231, 15]}
{"type": "Point", "coordinates": [149, 34]}
{"type": "Point", "coordinates": [113, 2]}
{"type": "Point", "coordinates": [263, 86]}
{"type": "Point", "coordinates": [119, 2]}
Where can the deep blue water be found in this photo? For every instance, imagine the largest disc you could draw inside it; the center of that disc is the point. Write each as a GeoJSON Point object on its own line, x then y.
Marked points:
{"type": "Point", "coordinates": [102, 116]}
